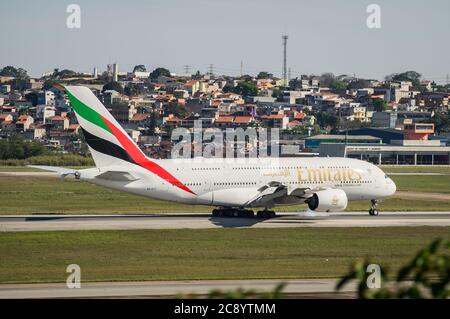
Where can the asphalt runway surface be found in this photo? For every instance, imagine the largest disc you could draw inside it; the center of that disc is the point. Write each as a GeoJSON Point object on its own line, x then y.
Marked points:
{"type": "Point", "coordinates": [307, 288]}
{"type": "Point", "coordinates": [199, 221]}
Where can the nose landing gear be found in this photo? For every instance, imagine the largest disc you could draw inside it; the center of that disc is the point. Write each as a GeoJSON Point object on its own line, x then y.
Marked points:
{"type": "Point", "coordinates": [373, 211]}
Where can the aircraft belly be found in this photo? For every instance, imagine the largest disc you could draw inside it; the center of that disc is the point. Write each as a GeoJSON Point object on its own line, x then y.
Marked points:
{"type": "Point", "coordinates": [234, 197]}
{"type": "Point", "coordinates": [205, 198]}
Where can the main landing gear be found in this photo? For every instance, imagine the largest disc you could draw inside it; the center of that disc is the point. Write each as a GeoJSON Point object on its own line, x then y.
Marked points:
{"type": "Point", "coordinates": [265, 213]}
{"type": "Point", "coordinates": [373, 211]}
{"type": "Point", "coordinates": [240, 212]}
{"type": "Point", "coordinates": [232, 212]}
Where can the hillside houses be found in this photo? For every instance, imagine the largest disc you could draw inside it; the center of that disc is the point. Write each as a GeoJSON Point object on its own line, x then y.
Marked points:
{"type": "Point", "coordinates": [151, 108]}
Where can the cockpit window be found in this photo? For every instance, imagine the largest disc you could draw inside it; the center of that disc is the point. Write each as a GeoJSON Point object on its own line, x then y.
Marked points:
{"type": "Point", "coordinates": [385, 176]}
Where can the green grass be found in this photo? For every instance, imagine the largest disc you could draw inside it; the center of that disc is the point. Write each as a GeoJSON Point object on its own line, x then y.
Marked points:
{"type": "Point", "coordinates": [416, 169]}
{"type": "Point", "coordinates": [31, 169]}
{"type": "Point", "coordinates": [423, 183]}
{"type": "Point", "coordinates": [47, 195]}
{"type": "Point", "coordinates": [19, 169]}
{"type": "Point", "coordinates": [29, 194]}
{"type": "Point", "coordinates": [206, 253]}
{"type": "Point", "coordinates": [402, 205]}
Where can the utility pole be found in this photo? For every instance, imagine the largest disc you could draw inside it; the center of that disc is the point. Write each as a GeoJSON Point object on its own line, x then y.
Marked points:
{"type": "Point", "coordinates": [242, 67]}
{"type": "Point", "coordinates": [447, 81]}
{"type": "Point", "coordinates": [284, 38]}
{"type": "Point", "coordinates": [211, 69]}
{"type": "Point", "coordinates": [187, 68]}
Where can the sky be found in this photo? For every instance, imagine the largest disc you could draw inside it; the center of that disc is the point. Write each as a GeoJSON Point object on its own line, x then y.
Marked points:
{"type": "Point", "coordinates": [324, 36]}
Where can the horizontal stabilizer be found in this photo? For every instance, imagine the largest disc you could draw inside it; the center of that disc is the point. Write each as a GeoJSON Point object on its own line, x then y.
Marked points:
{"type": "Point", "coordinates": [63, 171]}
{"type": "Point", "coordinates": [117, 176]}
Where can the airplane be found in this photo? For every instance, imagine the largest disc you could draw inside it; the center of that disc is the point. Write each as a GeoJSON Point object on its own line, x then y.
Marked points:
{"type": "Point", "coordinates": [232, 186]}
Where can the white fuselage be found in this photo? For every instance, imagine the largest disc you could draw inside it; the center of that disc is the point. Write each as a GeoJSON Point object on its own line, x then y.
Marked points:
{"type": "Point", "coordinates": [234, 182]}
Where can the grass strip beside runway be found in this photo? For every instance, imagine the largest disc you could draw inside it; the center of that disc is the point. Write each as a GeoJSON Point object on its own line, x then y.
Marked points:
{"type": "Point", "coordinates": [47, 195]}
{"type": "Point", "coordinates": [206, 253]}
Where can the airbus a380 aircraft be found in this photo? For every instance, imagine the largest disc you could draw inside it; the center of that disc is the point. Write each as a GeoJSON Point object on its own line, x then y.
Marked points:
{"type": "Point", "coordinates": [232, 185]}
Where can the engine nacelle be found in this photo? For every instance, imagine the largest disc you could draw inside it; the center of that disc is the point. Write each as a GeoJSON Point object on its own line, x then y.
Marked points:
{"type": "Point", "coordinates": [328, 200]}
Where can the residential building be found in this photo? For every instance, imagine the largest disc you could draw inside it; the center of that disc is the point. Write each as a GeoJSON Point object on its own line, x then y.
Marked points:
{"type": "Point", "coordinates": [23, 123]}
{"type": "Point", "coordinates": [58, 122]}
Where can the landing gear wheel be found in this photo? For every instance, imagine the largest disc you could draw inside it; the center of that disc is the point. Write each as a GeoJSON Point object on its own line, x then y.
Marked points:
{"type": "Point", "coordinates": [232, 212]}
{"type": "Point", "coordinates": [373, 211]}
{"type": "Point", "coordinates": [217, 213]}
{"type": "Point", "coordinates": [265, 214]}
{"type": "Point", "coordinates": [247, 213]}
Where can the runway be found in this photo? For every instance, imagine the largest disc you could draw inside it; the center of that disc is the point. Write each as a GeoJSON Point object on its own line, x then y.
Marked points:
{"type": "Point", "coordinates": [153, 289]}
{"type": "Point", "coordinates": [199, 221]}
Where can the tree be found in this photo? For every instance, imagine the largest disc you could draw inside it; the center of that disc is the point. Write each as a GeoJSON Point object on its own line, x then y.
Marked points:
{"type": "Point", "coordinates": [338, 85]}
{"type": "Point", "coordinates": [66, 73]}
{"type": "Point", "coordinates": [132, 89]}
{"type": "Point", "coordinates": [329, 120]}
{"type": "Point", "coordinates": [278, 94]}
{"type": "Point", "coordinates": [153, 122]}
{"type": "Point", "coordinates": [350, 125]}
{"type": "Point", "coordinates": [441, 122]}
{"type": "Point", "coordinates": [14, 72]}
{"type": "Point", "coordinates": [197, 75]}
{"type": "Point", "coordinates": [176, 109]}
{"type": "Point", "coordinates": [139, 68]}
{"type": "Point", "coordinates": [433, 86]}
{"type": "Point", "coordinates": [243, 88]}
{"type": "Point", "coordinates": [159, 72]}
{"type": "Point", "coordinates": [327, 79]}
{"type": "Point", "coordinates": [113, 86]}
{"type": "Point", "coordinates": [358, 84]}
{"type": "Point", "coordinates": [32, 97]}
{"type": "Point", "coordinates": [16, 147]}
{"type": "Point", "coordinates": [246, 78]}
{"type": "Point", "coordinates": [19, 84]}
{"type": "Point", "coordinates": [264, 75]}
{"type": "Point", "coordinates": [412, 76]}
{"type": "Point", "coordinates": [48, 84]}
{"type": "Point", "coordinates": [379, 105]}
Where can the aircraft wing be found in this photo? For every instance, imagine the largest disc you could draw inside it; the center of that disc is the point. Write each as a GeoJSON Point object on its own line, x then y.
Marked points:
{"type": "Point", "coordinates": [274, 190]}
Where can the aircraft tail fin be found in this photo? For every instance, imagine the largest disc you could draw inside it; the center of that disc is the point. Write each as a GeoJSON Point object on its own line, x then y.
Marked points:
{"type": "Point", "coordinates": [108, 142]}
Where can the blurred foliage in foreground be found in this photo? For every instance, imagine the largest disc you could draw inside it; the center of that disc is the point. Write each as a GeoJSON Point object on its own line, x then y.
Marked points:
{"type": "Point", "coordinates": [427, 275]}
{"type": "Point", "coordinates": [241, 294]}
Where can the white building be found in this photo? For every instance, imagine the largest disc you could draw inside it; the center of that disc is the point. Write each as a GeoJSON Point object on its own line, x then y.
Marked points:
{"type": "Point", "coordinates": [44, 112]}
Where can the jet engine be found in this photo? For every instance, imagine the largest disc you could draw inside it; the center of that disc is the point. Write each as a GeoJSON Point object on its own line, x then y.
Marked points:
{"type": "Point", "coordinates": [328, 200]}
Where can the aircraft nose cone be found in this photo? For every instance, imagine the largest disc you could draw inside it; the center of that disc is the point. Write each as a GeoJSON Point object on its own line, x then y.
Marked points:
{"type": "Point", "coordinates": [392, 187]}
